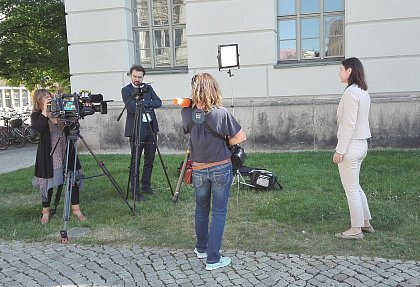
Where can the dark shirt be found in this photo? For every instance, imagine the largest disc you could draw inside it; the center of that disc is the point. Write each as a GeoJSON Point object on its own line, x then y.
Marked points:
{"type": "Point", "coordinates": [205, 147]}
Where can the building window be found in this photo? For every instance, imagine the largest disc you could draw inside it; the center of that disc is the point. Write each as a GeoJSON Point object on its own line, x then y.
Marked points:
{"type": "Point", "coordinates": [160, 33]}
{"type": "Point", "coordinates": [310, 30]}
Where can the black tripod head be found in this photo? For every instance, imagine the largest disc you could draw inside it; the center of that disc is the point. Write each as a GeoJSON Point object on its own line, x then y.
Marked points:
{"type": "Point", "coordinates": [139, 91]}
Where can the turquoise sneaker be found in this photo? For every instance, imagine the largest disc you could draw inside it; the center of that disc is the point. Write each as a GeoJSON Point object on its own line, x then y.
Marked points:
{"type": "Point", "coordinates": [224, 261]}
{"type": "Point", "coordinates": [200, 255]}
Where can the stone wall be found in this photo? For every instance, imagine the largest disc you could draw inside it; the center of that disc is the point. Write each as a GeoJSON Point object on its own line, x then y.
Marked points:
{"type": "Point", "coordinates": [287, 123]}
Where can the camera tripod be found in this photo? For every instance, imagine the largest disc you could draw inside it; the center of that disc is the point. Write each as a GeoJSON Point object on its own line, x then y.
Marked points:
{"type": "Point", "coordinates": [71, 179]}
{"type": "Point", "coordinates": [136, 145]}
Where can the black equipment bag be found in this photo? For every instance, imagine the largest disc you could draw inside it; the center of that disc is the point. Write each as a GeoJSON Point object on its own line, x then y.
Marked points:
{"type": "Point", "coordinates": [261, 179]}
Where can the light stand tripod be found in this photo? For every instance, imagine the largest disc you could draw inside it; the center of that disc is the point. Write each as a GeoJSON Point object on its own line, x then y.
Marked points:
{"type": "Point", "coordinates": [136, 143]}
{"type": "Point", "coordinates": [71, 179]}
{"type": "Point", "coordinates": [228, 58]}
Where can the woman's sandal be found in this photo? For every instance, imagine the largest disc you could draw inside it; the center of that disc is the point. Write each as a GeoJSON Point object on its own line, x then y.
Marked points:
{"type": "Point", "coordinates": [76, 212]}
{"type": "Point", "coordinates": [45, 216]}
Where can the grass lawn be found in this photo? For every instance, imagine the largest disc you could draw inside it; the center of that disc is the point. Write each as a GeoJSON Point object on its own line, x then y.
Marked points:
{"type": "Point", "coordinates": [300, 219]}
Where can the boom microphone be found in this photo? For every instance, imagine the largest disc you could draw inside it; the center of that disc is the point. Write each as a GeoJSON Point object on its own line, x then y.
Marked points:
{"type": "Point", "coordinates": [182, 102]}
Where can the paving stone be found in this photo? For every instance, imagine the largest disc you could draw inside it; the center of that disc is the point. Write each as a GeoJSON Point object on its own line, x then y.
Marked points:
{"type": "Point", "coordinates": [38, 264]}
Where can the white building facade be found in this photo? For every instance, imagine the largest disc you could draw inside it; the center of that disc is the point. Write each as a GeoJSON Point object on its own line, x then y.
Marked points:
{"type": "Point", "coordinates": [287, 89]}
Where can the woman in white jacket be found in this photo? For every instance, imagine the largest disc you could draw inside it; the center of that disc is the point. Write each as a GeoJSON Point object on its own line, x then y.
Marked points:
{"type": "Point", "coordinates": [351, 149]}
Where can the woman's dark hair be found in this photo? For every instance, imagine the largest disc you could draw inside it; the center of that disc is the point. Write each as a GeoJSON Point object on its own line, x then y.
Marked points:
{"type": "Point", "coordinates": [357, 75]}
{"type": "Point", "coordinates": [137, 68]}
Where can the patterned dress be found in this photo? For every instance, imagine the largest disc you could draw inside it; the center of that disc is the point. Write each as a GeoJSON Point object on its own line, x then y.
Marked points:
{"type": "Point", "coordinates": [58, 141]}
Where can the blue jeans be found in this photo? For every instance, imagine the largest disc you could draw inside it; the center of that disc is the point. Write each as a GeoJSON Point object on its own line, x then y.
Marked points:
{"type": "Point", "coordinates": [213, 184]}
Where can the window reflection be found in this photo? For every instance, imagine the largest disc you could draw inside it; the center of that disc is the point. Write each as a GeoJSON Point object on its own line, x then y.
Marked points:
{"type": "Point", "coordinates": [287, 50]}
{"type": "Point", "coordinates": [308, 30]}
{"type": "Point", "coordinates": [160, 12]}
{"type": "Point", "coordinates": [178, 13]}
{"type": "Point", "coordinates": [334, 36]}
{"type": "Point", "coordinates": [142, 13]}
{"type": "Point", "coordinates": [161, 33]}
{"type": "Point", "coordinates": [286, 7]}
{"type": "Point", "coordinates": [287, 29]}
{"type": "Point", "coordinates": [333, 5]}
{"type": "Point", "coordinates": [309, 6]}
{"type": "Point", "coordinates": [162, 44]}
{"type": "Point", "coordinates": [143, 39]}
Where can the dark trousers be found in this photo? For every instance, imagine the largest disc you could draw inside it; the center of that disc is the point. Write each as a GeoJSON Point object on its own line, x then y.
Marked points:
{"type": "Point", "coordinates": [74, 196]}
{"type": "Point", "coordinates": [149, 147]}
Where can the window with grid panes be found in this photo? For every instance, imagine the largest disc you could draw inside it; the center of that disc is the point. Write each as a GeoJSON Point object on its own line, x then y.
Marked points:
{"type": "Point", "coordinates": [160, 33]}
{"type": "Point", "coordinates": [310, 30]}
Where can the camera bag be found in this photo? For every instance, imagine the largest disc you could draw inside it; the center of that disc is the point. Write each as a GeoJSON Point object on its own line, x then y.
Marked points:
{"type": "Point", "coordinates": [264, 179]}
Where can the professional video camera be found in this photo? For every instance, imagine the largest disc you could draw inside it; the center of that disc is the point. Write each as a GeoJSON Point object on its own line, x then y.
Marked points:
{"type": "Point", "coordinates": [76, 106]}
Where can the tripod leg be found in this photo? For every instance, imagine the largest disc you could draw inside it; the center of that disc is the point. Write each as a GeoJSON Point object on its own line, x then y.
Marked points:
{"type": "Point", "coordinates": [109, 175]}
{"type": "Point", "coordinates": [159, 154]}
{"type": "Point", "coordinates": [181, 176]}
{"type": "Point", "coordinates": [69, 179]}
{"type": "Point", "coordinates": [164, 167]}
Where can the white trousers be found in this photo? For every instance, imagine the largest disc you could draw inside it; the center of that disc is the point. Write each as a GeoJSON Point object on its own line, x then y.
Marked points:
{"type": "Point", "coordinates": [349, 170]}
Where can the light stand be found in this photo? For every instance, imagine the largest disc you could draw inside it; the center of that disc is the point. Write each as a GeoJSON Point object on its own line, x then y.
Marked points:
{"type": "Point", "coordinates": [228, 58]}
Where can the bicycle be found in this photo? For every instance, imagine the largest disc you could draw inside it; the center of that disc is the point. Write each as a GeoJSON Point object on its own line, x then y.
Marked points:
{"type": "Point", "coordinates": [12, 133]}
{"type": "Point", "coordinates": [30, 134]}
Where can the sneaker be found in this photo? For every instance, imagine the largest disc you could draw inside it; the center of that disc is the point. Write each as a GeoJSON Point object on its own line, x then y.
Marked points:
{"type": "Point", "coordinates": [224, 261]}
{"type": "Point", "coordinates": [200, 255]}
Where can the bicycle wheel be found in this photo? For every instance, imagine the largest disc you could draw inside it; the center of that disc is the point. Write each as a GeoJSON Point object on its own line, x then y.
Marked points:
{"type": "Point", "coordinates": [4, 140]}
{"type": "Point", "coordinates": [31, 135]}
{"type": "Point", "coordinates": [18, 139]}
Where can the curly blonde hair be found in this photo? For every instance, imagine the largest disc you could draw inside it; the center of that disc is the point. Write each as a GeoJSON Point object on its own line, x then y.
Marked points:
{"type": "Point", "coordinates": [205, 92]}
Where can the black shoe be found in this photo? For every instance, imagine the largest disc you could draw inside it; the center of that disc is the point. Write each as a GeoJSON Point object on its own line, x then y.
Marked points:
{"type": "Point", "coordinates": [148, 191]}
{"type": "Point", "coordinates": [140, 197]}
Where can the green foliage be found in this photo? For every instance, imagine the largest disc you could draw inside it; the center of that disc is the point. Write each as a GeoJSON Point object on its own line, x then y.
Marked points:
{"type": "Point", "coordinates": [300, 219]}
{"type": "Point", "coordinates": [33, 43]}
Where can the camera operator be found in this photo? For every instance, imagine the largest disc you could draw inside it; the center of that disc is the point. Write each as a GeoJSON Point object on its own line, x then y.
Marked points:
{"type": "Point", "coordinates": [150, 101]}
{"type": "Point", "coordinates": [211, 164]}
{"type": "Point", "coordinates": [49, 168]}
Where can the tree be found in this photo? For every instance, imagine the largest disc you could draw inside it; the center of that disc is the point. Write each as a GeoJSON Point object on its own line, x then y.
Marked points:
{"type": "Point", "coordinates": [33, 43]}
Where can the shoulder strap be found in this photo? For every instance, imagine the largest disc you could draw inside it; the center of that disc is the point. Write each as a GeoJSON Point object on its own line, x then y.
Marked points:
{"type": "Point", "coordinates": [207, 126]}
{"type": "Point", "coordinates": [213, 132]}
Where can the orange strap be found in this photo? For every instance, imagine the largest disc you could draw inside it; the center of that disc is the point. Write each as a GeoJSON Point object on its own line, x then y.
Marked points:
{"type": "Point", "coordinates": [210, 164]}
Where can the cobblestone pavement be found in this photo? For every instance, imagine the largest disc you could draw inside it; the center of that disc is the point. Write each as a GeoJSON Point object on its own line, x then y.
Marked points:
{"type": "Point", "coordinates": [56, 264]}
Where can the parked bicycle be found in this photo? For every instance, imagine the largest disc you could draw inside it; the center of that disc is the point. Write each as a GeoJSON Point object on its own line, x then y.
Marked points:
{"type": "Point", "coordinates": [12, 133]}
{"type": "Point", "coordinates": [29, 133]}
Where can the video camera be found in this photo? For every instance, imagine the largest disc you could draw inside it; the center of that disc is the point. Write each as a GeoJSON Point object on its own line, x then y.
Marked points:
{"type": "Point", "coordinates": [76, 106]}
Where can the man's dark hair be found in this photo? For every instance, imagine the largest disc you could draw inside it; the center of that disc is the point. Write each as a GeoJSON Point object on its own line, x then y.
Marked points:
{"type": "Point", "coordinates": [137, 68]}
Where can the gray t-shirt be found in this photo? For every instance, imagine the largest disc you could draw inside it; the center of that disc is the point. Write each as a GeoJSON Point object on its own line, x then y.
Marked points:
{"type": "Point", "coordinates": [206, 147]}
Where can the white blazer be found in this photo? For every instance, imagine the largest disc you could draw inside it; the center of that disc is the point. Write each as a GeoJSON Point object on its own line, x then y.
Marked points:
{"type": "Point", "coordinates": [352, 117]}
